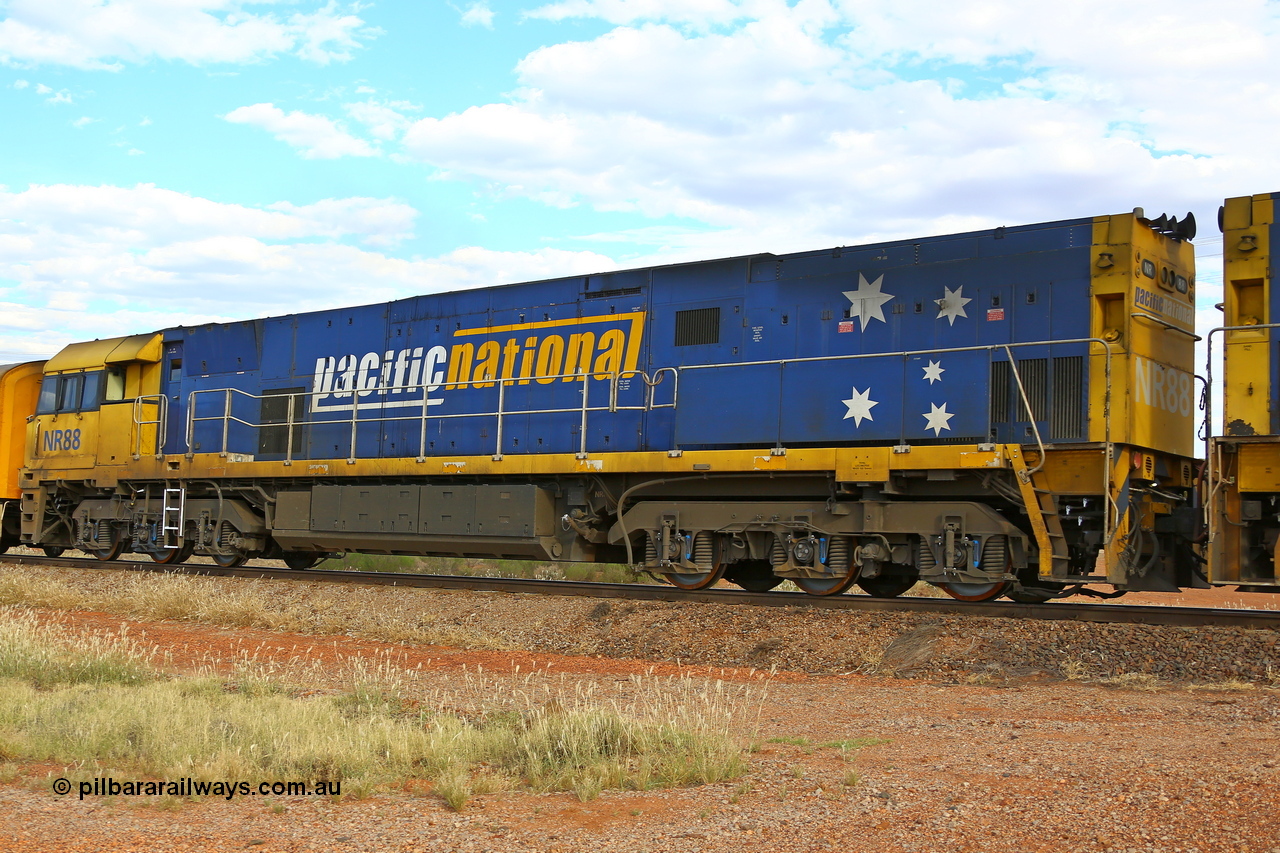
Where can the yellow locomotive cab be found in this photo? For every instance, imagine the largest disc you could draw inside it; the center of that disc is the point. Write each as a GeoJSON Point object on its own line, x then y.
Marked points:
{"type": "Point", "coordinates": [86, 414]}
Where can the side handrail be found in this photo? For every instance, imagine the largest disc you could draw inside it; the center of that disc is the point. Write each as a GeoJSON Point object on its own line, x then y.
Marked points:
{"type": "Point", "coordinates": [161, 423]}
{"type": "Point", "coordinates": [1111, 516]}
{"type": "Point", "coordinates": [227, 416]}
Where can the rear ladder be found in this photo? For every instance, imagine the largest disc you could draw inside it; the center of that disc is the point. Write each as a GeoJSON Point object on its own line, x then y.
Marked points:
{"type": "Point", "coordinates": [173, 516]}
{"type": "Point", "coordinates": [1046, 522]}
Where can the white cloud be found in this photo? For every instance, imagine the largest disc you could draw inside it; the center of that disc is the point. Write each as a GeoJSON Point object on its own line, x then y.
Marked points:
{"type": "Point", "coordinates": [384, 121]}
{"type": "Point", "coordinates": [317, 137]}
{"type": "Point", "coordinates": [700, 13]}
{"type": "Point", "coordinates": [478, 15]}
{"type": "Point", "coordinates": [790, 125]}
{"type": "Point", "coordinates": [20, 84]}
{"type": "Point", "coordinates": [83, 259]}
{"type": "Point", "coordinates": [105, 34]}
{"type": "Point", "coordinates": [83, 121]}
{"type": "Point", "coordinates": [62, 97]}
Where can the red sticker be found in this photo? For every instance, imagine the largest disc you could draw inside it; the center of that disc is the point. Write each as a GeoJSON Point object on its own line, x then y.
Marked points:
{"type": "Point", "coordinates": [995, 314]}
{"type": "Point", "coordinates": [845, 326]}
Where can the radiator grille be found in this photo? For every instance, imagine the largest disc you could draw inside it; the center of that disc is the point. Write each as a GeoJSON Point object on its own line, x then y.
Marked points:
{"type": "Point", "coordinates": [698, 326]}
{"type": "Point", "coordinates": [1067, 413]}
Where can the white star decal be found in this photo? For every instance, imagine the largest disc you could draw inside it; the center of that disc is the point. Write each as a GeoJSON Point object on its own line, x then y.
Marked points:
{"type": "Point", "coordinates": [860, 406]}
{"type": "Point", "coordinates": [868, 301]}
{"type": "Point", "coordinates": [934, 372]}
{"type": "Point", "coordinates": [952, 303]}
{"type": "Point", "coordinates": [936, 419]}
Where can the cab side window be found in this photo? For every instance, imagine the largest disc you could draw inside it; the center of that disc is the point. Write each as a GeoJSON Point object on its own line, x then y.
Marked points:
{"type": "Point", "coordinates": [47, 404]}
{"type": "Point", "coordinates": [73, 392]}
{"type": "Point", "coordinates": [69, 392]}
{"type": "Point", "coordinates": [114, 391]}
{"type": "Point", "coordinates": [91, 396]}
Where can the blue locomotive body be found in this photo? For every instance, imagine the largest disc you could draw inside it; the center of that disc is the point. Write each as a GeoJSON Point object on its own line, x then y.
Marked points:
{"type": "Point", "coordinates": [905, 342]}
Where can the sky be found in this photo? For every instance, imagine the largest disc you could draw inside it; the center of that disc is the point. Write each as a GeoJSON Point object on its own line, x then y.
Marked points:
{"type": "Point", "coordinates": [167, 162]}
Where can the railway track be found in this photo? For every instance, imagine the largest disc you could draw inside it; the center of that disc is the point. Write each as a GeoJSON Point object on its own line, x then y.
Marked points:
{"type": "Point", "coordinates": [1114, 613]}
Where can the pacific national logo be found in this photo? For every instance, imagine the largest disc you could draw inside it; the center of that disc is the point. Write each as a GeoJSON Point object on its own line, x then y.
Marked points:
{"type": "Point", "coordinates": [544, 353]}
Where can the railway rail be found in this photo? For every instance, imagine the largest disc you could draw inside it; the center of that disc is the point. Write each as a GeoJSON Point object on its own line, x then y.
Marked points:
{"type": "Point", "coordinates": [1100, 613]}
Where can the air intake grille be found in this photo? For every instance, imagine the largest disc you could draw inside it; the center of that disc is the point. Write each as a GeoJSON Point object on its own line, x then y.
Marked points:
{"type": "Point", "coordinates": [698, 326]}
{"type": "Point", "coordinates": [1034, 373]}
{"type": "Point", "coordinates": [1066, 415]}
{"type": "Point", "coordinates": [1000, 392]}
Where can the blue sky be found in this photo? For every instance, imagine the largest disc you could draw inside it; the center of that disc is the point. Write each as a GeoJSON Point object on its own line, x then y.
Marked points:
{"type": "Point", "coordinates": [181, 161]}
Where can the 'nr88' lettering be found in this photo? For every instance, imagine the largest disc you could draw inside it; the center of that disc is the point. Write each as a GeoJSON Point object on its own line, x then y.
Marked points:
{"type": "Point", "coordinates": [62, 439]}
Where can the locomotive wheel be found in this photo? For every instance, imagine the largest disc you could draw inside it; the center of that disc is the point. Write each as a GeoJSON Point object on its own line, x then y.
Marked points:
{"type": "Point", "coordinates": [53, 550]}
{"type": "Point", "coordinates": [696, 580]}
{"type": "Point", "coordinates": [301, 559]}
{"type": "Point", "coordinates": [230, 561]}
{"type": "Point", "coordinates": [752, 575]}
{"type": "Point", "coordinates": [974, 591]}
{"type": "Point", "coordinates": [886, 587]}
{"type": "Point", "coordinates": [174, 556]}
{"type": "Point", "coordinates": [706, 553]}
{"type": "Point", "coordinates": [108, 554]}
{"type": "Point", "coordinates": [825, 586]}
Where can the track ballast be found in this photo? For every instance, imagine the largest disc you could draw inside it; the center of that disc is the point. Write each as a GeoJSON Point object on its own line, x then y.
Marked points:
{"type": "Point", "coordinates": [1113, 613]}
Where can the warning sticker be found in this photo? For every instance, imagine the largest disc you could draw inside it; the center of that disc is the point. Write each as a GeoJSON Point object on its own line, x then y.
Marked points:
{"type": "Point", "coordinates": [845, 326]}
{"type": "Point", "coordinates": [995, 314]}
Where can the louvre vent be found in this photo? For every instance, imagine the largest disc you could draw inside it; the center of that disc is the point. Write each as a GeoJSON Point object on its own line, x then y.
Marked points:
{"type": "Point", "coordinates": [611, 293]}
{"type": "Point", "coordinates": [1066, 414]}
{"type": "Point", "coordinates": [999, 392]}
{"type": "Point", "coordinates": [698, 326]}
{"type": "Point", "coordinates": [1034, 373]}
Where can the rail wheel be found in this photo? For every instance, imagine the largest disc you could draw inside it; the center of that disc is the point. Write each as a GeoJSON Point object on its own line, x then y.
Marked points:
{"type": "Point", "coordinates": [108, 554]}
{"type": "Point", "coordinates": [301, 559]}
{"type": "Point", "coordinates": [230, 561]}
{"type": "Point", "coordinates": [53, 550]}
{"type": "Point", "coordinates": [174, 556]}
{"type": "Point", "coordinates": [752, 575]}
{"type": "Point", "coordinates": [705, 553]}
{"type": "Point", "coordinates": [825, 586]}
{"type": "Point", "coordinates": [886, 587]}
{"type": "Point", "coordinates": [974, 591]}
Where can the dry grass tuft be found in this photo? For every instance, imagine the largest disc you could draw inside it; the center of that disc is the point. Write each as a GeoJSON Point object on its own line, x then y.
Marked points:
{"type": "Point", "coordinates": [1144, 681]}
{"type": "Point", "coordinates": [236, 603]}
{"type": "Point", "coordinates": [94, 702]}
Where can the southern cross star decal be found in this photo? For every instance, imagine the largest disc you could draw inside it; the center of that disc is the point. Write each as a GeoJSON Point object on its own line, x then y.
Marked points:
{"type": "Point", "coordinates": [936, 419]}
{"type": "Point", "coordinates": [868, 301]}
{"type": "Point", "coordinates": [952, 303]}
{"type": "Point", "coordinates": [860, 406]}
{"type": "Point", "coordinates": [934, 371]}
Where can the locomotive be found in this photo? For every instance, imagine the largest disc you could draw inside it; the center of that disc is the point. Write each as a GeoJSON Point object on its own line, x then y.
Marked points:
{"type": "Point", "coordinates": [1000, 412]}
